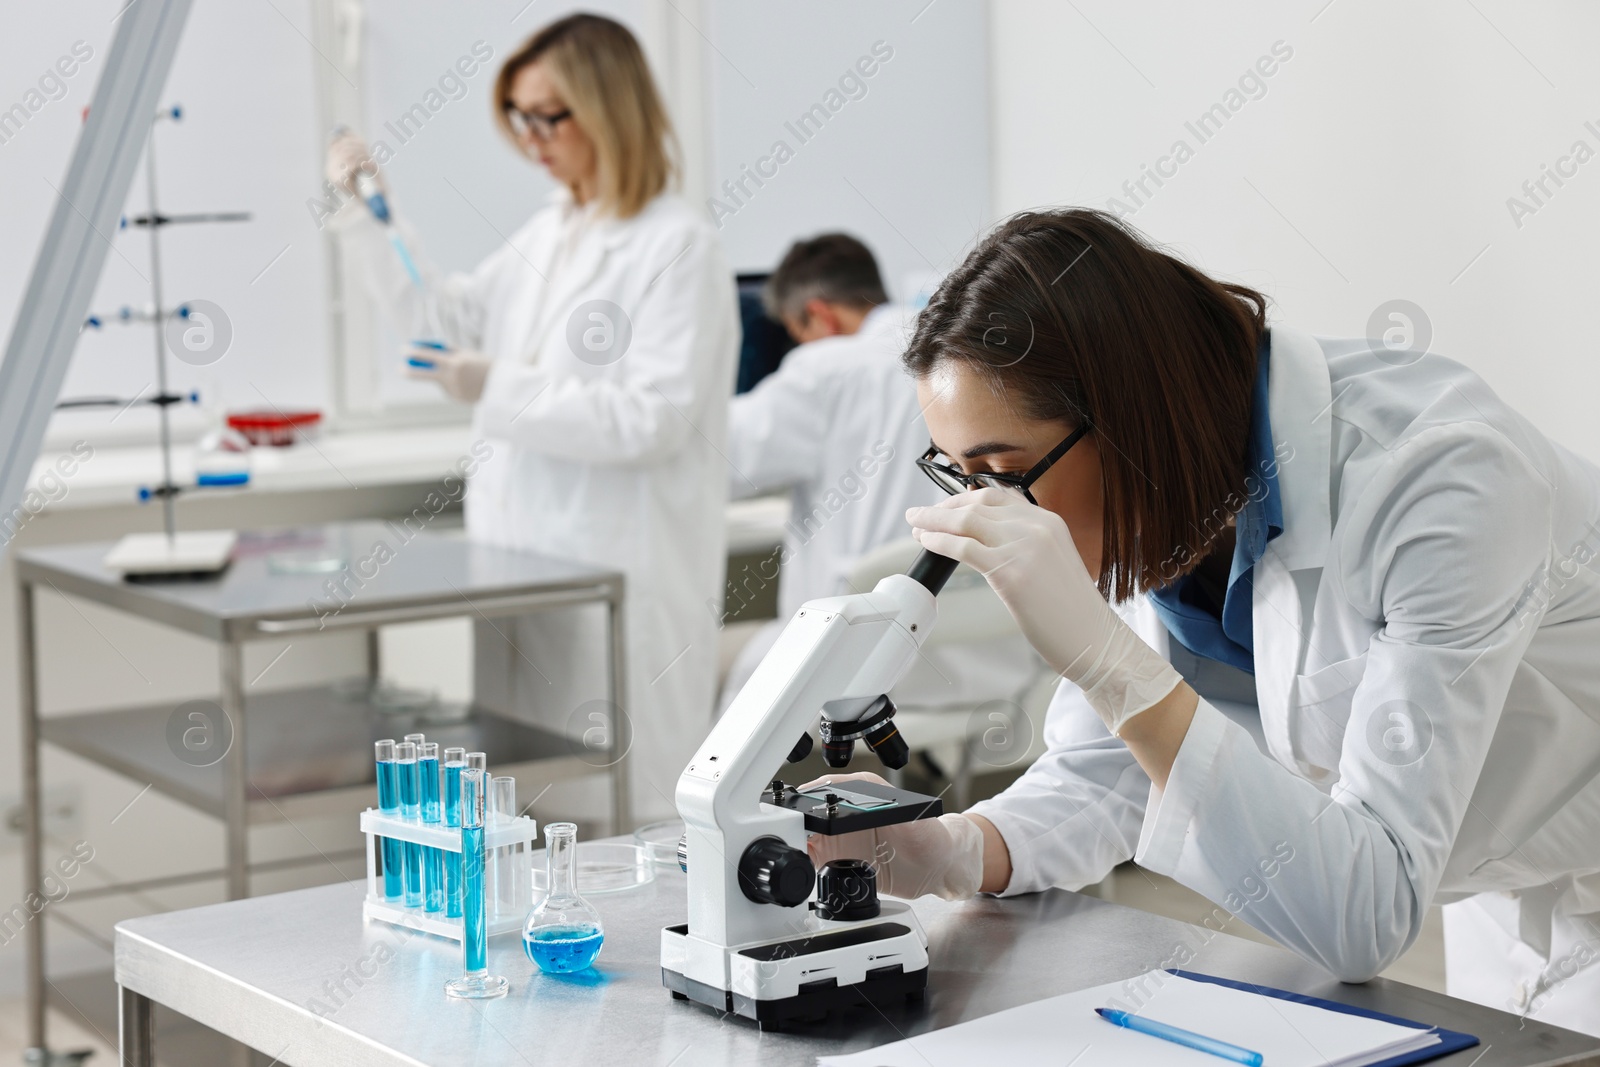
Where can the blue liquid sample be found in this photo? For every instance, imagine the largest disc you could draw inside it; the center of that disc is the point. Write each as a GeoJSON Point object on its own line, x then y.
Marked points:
{"type": "Point", "coordinates": [564, 949]}
{"type": "Point", "coordinates": [452, 817]}
{"type": "Point", "coordinates": [220, 478]}
{"type": "Point", "coordinates": [421, 364]}
{"type": "Point", "coordinates": [389, 804]}
{"type": "Point", "coordinates": [432, 858]}
{"type": "Point", "coordinates": [405, 258]}
{"type": "Point", "coordinates": [476, 933]}
{"type": "Point", "coordinates": [411, 809]}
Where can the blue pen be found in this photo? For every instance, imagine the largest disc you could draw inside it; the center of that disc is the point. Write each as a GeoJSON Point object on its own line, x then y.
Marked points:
{"type": "Point", "coordinates": [1179, 1036]}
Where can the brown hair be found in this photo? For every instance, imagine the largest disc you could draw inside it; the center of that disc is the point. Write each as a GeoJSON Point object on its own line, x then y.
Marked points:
{"type": "Point", "coordinates": [601, 73]}
{"type": "Point", "coordinates": [1074, 316]}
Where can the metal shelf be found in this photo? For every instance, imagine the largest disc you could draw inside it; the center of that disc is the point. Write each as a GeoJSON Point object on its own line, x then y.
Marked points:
{"type": "Point", "coordinates": [309, 749]}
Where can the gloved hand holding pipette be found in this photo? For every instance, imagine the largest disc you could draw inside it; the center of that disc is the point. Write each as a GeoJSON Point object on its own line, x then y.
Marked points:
{"type": "Point", "coordinates": [350, 167]}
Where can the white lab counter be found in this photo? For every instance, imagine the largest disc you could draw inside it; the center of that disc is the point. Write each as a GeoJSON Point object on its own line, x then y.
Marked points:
{"type": "Point", "coordinates": [363, 474]}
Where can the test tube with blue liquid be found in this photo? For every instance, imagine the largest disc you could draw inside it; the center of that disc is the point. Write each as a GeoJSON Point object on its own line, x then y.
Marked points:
{"type": "Point", "coordinates": [423, 362]}
{"type": "Point", "coordinates": [475, 983]}
{"type": "Point", "coordinates": [432, 858]}
{"type": "Point", "coordinates": [411, 811]}
{"type": "Point", "coordinates": [455, 761]}
{"type": "Point", "coordinates": [389, 804]}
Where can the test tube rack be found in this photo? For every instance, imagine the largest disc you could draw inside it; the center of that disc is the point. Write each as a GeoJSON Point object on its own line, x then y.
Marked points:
{"type": "Point", "coordinates": [521, 830]}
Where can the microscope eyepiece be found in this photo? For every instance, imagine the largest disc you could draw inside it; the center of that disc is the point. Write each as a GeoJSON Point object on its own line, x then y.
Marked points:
{"type": "Point", "coordinates": [932, 570]}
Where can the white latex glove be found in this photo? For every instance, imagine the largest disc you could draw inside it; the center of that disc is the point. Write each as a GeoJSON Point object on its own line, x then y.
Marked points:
{"type": "Point", "coordinates": [942, 856]}
{"type": "Point", "coordinates": [1027, 554]}
{"type": "Point", "coordinates": [346, 154]}
{"type": "Point", "coordinates": [460, 372]}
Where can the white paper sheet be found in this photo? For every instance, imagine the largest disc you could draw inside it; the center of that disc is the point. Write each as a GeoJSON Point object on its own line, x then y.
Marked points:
{"type": "Point", "coordinates": [1066, 1030]}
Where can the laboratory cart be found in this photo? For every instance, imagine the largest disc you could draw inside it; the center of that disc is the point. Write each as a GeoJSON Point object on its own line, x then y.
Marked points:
{"type": "Point", "coordinates": [303, 751]}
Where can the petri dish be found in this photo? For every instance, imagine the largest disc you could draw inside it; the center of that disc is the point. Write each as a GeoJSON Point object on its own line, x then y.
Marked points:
{"type": "Point", "coordinates": [660, 842]}
{"type": "Point", "coordinates": [306, 562]}
{"type": "Point", "coordinates": [601, 867]}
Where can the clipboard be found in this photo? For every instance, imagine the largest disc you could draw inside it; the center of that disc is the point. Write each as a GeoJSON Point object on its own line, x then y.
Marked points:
{"type": "Point", "coordinates": [1449, 1040]}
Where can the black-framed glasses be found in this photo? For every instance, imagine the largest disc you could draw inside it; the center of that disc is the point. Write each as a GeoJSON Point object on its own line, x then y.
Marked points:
{"type": "Point", "coordinates": [542, 127]}
{"type": "Point", "coordinates": [952, 480]}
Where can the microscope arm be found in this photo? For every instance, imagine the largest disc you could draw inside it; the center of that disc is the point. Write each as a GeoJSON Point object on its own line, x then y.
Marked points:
{"type": "Point", "coordinates": [836, 657]}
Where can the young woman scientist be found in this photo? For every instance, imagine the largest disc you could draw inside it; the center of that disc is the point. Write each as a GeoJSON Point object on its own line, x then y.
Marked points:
{"type": "Point", "coordinates": [598, 346]}
{"type": "Point", "coordinates": [1352, 670]}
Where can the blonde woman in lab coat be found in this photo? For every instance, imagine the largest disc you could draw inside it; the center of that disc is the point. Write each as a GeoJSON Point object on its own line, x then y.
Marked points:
{"type": "Point", "coordinates": [1349, 665]}
{"type": "Point", "coordinates": [598, 348]}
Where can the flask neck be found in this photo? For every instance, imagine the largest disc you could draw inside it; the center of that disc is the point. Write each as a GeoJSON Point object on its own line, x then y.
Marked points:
{"type": "Point", "coordinates": [560, 845]}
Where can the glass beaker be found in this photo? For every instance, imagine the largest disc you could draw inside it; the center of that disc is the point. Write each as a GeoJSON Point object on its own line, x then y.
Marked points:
{"type": "Point", "coordinates": [563, 933]}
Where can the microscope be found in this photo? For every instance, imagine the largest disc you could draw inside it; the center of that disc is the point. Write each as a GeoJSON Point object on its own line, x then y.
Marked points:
{"type": "Point", "coordinates": [757, 943]}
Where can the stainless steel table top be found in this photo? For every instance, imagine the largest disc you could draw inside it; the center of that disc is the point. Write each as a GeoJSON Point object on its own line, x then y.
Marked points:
{"type": "Point", "coordinates": [415, 574]}
{"type": "Point", "coordinates": [298, 976]}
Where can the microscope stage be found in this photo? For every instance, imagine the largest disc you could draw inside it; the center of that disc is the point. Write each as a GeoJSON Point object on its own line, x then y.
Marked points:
{"type": "Point", "coordinates": [861, 806]}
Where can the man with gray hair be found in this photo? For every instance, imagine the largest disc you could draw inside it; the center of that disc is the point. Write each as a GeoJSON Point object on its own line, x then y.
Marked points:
{"type": "Point", "coordinates": [837, 424]}
{"type": "Point", "coordinates": [825, 287]}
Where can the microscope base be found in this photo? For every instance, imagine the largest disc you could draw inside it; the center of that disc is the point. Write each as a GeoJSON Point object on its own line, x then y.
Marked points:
{"type": "Point", "coordinates": [881, 963]}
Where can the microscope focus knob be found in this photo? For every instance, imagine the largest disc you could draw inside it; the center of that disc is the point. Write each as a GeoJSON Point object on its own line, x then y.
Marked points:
{"type": "Point", "coordinates": [770, 872]}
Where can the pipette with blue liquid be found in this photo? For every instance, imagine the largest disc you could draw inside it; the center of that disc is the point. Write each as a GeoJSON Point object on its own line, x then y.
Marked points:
{"type": "Point", "coordinates": [371, 194]}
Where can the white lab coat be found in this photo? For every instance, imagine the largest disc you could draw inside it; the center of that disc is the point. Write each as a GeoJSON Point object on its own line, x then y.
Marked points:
{"type": "Point", "coordinates": [616, 464]}
{"type": "Point", "coordinates": [838, 424]}
{"type": "Point", "coordinates": [1426, 701]}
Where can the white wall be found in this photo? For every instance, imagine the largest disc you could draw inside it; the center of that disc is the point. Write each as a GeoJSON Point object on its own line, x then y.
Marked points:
{"type": "Point", "coordinates": [901, 161]}
{"type": "Point", "coordinates": [246, 142]}
{"type": "Point", "coordinates": [1376, 166]}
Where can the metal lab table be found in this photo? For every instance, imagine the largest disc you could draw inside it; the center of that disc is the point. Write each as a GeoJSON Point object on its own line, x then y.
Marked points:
{"type": "Point", "coordinates": [308, 749]}
{"type": "Point", "coordinates": [299, 977]}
